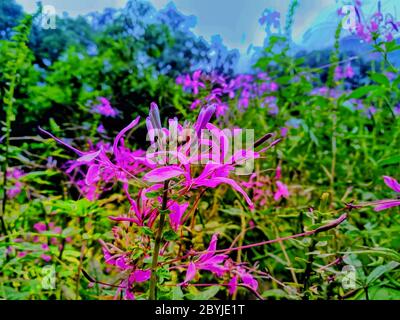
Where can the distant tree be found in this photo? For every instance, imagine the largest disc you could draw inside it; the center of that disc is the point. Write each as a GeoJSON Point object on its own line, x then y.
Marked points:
{"type": "Point", "coordinates": [10, 14]}
{"type": "Point", "coordinates": [49, 44]}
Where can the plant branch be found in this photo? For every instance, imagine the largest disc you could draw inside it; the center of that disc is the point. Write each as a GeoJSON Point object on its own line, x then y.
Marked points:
{"type": "Point", "coordinates": [156, 252]}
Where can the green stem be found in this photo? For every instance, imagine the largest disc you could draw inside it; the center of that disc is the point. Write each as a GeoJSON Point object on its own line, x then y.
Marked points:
{"type": "Point", "coordinates": [9, 115]}
{"type": "Point", "coordinates": [157, 244]}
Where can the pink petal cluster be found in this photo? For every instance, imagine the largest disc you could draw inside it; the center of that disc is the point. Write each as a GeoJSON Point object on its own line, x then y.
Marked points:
{"type": "Point", "coordinates": [14, 175]}
{"type": "Point", "coordinates": [191, 82]}
{"type": "Point", "coordinates": [104, 108]}
{"type": "Point", "coordinates": [243, 87]}
{"type": "Point", "coordinates": [181, 170]}
{"type": "Point", "coordinates": [263, 188]}
{"type": "Point", "coordinates": [220, 264]}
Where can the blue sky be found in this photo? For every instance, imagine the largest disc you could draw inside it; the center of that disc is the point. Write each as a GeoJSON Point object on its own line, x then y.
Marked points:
{"type": "Point", "coordinates": [235, 20]}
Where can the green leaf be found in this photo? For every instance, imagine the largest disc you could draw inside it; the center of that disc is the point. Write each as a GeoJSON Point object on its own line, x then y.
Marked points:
{"type": "Point", "coordinates": [382, 293]}
{"type": "Point", "coordinates": [391, 160]}
{"type": "Point", "coordinates": [176, 293]}
{"type": "Point", "coordinates": [362, 91]}
{"type": "Point", "coordinates": [147, 231]}
{"type": "Point", "coordinates": [379, 271]}
{"type": "Point", "coordinates": [170, 235]}
{"type": "Point", "coordinates": [380, 78]}
{"type": "Point", "coordinates": [380, 252]}
{"type": "Point", "coordinates": [204, 295]}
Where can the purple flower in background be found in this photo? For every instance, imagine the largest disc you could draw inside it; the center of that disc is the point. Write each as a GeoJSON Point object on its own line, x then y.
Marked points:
{"type": "Point", "coordinates": [358, 105]}
{"type": "Point", "coordinates": [192, 83]}
{"type": "Point", "coordinates": [100, 129]}
{"type": "Point", "coordinates": [105, 108]}
{"type": "Point", "coordinates": [270, 103]}
{"type": "Point", "coordinates": [389, 37]}
{"type": "Point", "coordinates": [338, 73]}
{"type": "Point", "coordinates": [40, 227]}
{"type": "Point", "coordinates": [371, 111]}
{"type": "Point", "coordinates": [284, 131]}
{"type": "Point", "coordinates": [273, 86]}
{"type": "Point", "coordinates": [374, 26]}
{"type": "Point", "coordinates": [221, 109]}
{"type": "Point", "coordinates": [344, 73]}
{"type": "Point", "coordinates": [196, 103]}
{"type": "Point", "coordinates": [396, 110]}
{"type": "Point", "coordinates": [270, 18]}
{"type": "Point", "coordinates": [14, 174]}
{"type": "Point", "coordinates": [22, 254]}
{"type": "Point", "coordinates": [282, 191]}
{"type": "Point", "coordinates": [349, 72]}
{"type": "Point", "coordinates": [45, 257]}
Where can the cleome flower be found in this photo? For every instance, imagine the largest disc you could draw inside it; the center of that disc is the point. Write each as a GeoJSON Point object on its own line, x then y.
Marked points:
{"type": "Point", "coordinates": [388, 203]}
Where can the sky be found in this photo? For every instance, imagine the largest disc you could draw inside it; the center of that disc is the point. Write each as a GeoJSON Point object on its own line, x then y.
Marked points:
{"type": "Point", "coordinates": [235, 20]}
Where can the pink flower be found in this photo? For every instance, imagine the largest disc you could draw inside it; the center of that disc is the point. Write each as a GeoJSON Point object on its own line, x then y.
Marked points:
{"type": "Point", "coordinates": [374, 26]}
{"type": "Point", "coordinates": [282, 191]}
{"type": "Point", "coordinates": [273, 86]}
{"type": "Point", "coordinates": [349, 72]}
{"type": "Point", "coordinates": [232, 285]}
{"type": "Point", "coordinates": [392, 183]}
{"type": "Point", "coordinates": [338, 73]}
{"type": "Point", "coordinates": [40, 227]}
{"type": "Point", "coordinates": [105, 108]}
{"type": "Point", "coordinates": [192, 83]}
{"type": "Point", "coordinates": [388, 203]}
{"type": "Point", "coordinates": [191, 272]}
{"type": "Point", "coordinates": [177, 210]}
{"type": "Point", "coordinates": [140, 276]}
{"type": "Point", "coordinates": [45, 257]}
{"type": "Point", "coordinates": [215, 172]}
{"type": "Point", "coordinates": [278, 173]}
{"type": "Point", "coordinates": [127, 284]}
{"type": "Point", "coordinates": [208, 261]}
{"type": "Point", "coordinates": [22, 254]}
{"type": "Point", "coordinates": [100, 167]}
{"type": "Point", "coordinates": [196, 103]}
{"type": "Point", "coordinates": [14, 174]}
{"type": "Point", "coordinates": [221, 109]}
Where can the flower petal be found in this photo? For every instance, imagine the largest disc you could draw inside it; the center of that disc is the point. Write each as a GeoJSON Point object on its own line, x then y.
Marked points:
{"type": "Point", "coordinates": [89, 156]}
{"type": "Point", "coordinates": [191, 272]}
{"type": "Point", "coordinates": [92, 175]}
{"type": "Point", "coordinates": [386, 204]}
{"type": "Point", "coordinates": [121, 134]}
{"type": "Point", "coordinates": [392, 183]}
{"type": "Point", "coordinates": [163, 173]}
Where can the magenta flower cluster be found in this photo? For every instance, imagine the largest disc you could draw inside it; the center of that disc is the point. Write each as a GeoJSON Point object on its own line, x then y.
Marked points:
{"type": "Point", "coordinates": [168, 179]}
{"type": "Point", "coordinates": [241, 90]}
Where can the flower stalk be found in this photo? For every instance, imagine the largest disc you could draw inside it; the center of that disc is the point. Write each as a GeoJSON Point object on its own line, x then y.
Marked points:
{"type": "Point", "coordinates": [157, 244]}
